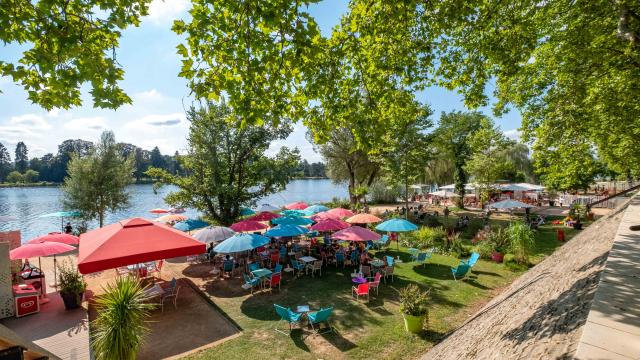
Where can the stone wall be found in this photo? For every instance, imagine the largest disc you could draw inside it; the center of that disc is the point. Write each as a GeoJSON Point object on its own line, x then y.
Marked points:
{"type": "Point", "coordinates": [8, 241]}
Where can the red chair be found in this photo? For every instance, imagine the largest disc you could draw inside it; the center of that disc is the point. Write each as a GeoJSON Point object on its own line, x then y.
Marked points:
{"type": "Point", "coordinates": [275, 280]}
{"type": "Point", "coordinates": [361, 290]}
{"type": "Point", "coordinates": [275, 259]}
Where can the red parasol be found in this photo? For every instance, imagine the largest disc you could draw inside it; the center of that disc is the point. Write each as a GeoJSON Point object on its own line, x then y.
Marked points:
{"type": "Point", "coordinates": [248, 225]}
{"type": "Point", "coordinates": [340, 212]}
{"type": "Point", "coordinates": [330, 225]}
{"type": "Point", "coordinates": [356, 233]}
{"type": "Point", "coordinates": [263, 216]}
{"type": "Point", "coordinates": [133, 241]}
{"type": "Point", "coordinates": [300, 205]}
{"type": "Point", "coordinates": [56, 237]}
{"type": "Point", "coordinates": [158, 211]}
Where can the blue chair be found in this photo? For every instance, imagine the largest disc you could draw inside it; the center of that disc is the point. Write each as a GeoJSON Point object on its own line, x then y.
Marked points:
{"type": "Point", "coordinates": [286, 315]}
{"type": "Point", "coordinates": [297, 265]}
{"type": "Point", "coordinates": [250, 282]}
{"type": "Point", "coordinates": [339, 259]}
{"type": "Point", "coordinates": [384, 241]}
{"type": "Point", "coordinates": [389, 260]}
{"type": "Point", "coordinates": [355, 257]}
{"type": "Point", "coordinates": [278, 268]}
{"type": "Point", "coordinates": [318, 317]}
{"type": "Point", "coordinates": [472, 260]}
{"type": "Point", "coordinates": [460, 271]}
{"type": "Point", "coordinates": [254, 266]}
{"type": "Point", "coordinates": [423, 257]}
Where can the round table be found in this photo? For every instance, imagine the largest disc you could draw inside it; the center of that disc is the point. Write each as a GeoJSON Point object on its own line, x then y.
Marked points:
{"type": "Point", "coordinates": [358, 280]}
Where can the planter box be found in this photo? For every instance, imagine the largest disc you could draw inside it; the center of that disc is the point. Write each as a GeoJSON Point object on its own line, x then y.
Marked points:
{"type": "Point", "coordinates": [497, 257]}
{"type": "Point", "coordinates": [413, 324]}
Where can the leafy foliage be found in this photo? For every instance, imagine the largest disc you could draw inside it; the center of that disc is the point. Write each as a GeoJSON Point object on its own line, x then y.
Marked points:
{"type": "Point", "coordinates": [119, 330]}
{"type": "Point", "coordinates": [425, 238]}
{"type": "Point", "coordinates": [97, 183]}
{"type": "Point", "coordinates": [414, 301]}
{"type": "Point", "coordinates": [22, 157]}
{"type": "Point", "coordinates": [521, 241]}
{"type": "Point", "coordinates": [381, 193]}
{"type": "Point", "coordinates": [15, 177]}
{"type": "Point", "coordinates": [71, 281]}
{"type": "Point", "coordinates": [226, 166]}
{"type": "Point", "coordinates": [5, 162]}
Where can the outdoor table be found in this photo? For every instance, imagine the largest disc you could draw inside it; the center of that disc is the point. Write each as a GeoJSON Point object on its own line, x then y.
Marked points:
{"type": "Point", "coordinates": [358, 280]}
{"type": "Point", "coordinates": [308, 259]}
{"type": "Point", "coordinates": [377, 263]}
{"type": "Point", "coordinates": [260, 273]}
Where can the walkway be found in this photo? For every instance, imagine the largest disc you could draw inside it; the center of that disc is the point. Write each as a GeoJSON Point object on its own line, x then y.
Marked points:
{"type": "Point", "coordinates": [61, 332]}
{"type": "Point", "coordinates": [612, 330]}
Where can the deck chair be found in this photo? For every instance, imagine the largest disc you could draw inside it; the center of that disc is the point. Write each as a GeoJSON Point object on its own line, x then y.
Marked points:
{"type": "Point", "coordinates": [423, 257]}
{"type": "Point", "coordinates": [389, 260]}
{"type": "Point", "coordinates": [286, 315]}
{"type": "Point", "coordinates": [460, 271]}
{"type": "Point", "coordinates": [360, 290]}
{"type": "Point", "coordinates": [170, 292]}
{"type": "Point", "coordinates": [375, 284]}
{"type": "Point", "coordinates": [318, 317]}
{"type": "Point", "coordinates": [250, 283]}
{"type": "Point", "coordinates": [297, 266]}
{"type": "Point", "coordinates": [472, 260]}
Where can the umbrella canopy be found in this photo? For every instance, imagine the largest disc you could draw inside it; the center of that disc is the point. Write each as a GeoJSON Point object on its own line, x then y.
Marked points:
{"type": "Point", "coordinates": [513, 187]}
{"type": "Point", "coordinates": [340, 212]}
{"type": "Point", "coordinates": [293, 213]}
{"type": "Point", "coordinates": [246, 212]}
{"type": "Point", "coordinates": [444, 194]}
{"type": "Point", "coordinates": [397, 225]}
{"type": "Point", "coordinates": [509, 204]}
{"type": "Point", "coordinates": [323, 216]}
{"type": "Point", "coordinates": [158, 211]}
{"type": "Point", "coordinates": [241, 242]}
{"type": "Point", "coordinates": [39, 249]}
{"type": "Point", "coordinates": [300, 205]}
{"type": "Point", "coordinates": [286, 230]}
{"type": "Point", "coordinates": [531, 187]}
{"type": "Point", "coordinates": [213, 234]}
{"type": "Point", "coordinates": [264, 216]}
{"type": "Point", "coordinates": [171, 218]}
{"type": "Point", "coordinates": [292, 220]}
{"type": "Point", "coordinates": [6, 218]}
{"type": "Point", "coordinates": [190, 224]}
{"type": "Point", "coordinates": [133, 241]}
{"type": "Point", "coordinates": [356, 233]}
{"type": "Point", "coordinates": [330, 225]}
{"type": "Point", "coordinates": [314, 209]}
{"type": "Point", "coordinates": [56, 237]}
{"type": "Point", "coordinates": [451, 187]}
{"type": "Point", "coordinates": [267, 207]}
{"type": "Point", "coordinates": [62, 214]}
{"type": "Point", "coordinates": [363, 219]}
{"type": "Point", "coordinates": [177, 210]}
{"type": "Point", "coordinates": [248, 225]}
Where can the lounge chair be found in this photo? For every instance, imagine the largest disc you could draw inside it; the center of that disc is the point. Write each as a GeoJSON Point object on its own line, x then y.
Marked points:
{"type": "Point", "coordinates": [389, 260]}
{"type": "Point", "coordinates": [250, 283]}
{"type": "Point", "coordinates": [170, 292]}
{"type": "Point", "coordinates": [286, 315]}
{"type": "Point", "coordinates": [460, 271]}
{"type": "Point", "coordinates": [472, 260]}
{"type": "Point", "coordinates": [318, 317]}
{"type": "Point", "coordinates": [360, 290]}
{"type": "Point", "coordinates": [423, 257]}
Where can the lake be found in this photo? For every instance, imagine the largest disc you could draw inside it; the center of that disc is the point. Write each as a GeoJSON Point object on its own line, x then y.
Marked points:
{"type": "Point", "coordinates": [28, 204]}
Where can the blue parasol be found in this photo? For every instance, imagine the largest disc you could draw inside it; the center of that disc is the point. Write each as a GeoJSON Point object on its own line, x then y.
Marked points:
{"type": "Point", "coordinates": [190, 224]}
{"type": "Point", "coordinates": [286, 230]}
{"type": "Point", "coordinates": [298, 213]}
{"type": "Point", "coordinates": [246, 212]}
{"type": "Point", "coordinates": [62, 215]}
{"type": "Point", "coordinates": [241, 242]}
{"type": "Point", "coordinates": [292, 220]}
{"type": "Point", "coordinates": [397, 225]}
{"type": "Point", "coordinates": [314, 209]}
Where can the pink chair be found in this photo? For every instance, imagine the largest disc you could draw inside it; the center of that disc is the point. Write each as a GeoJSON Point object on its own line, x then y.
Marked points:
{"type": "Point", "coordinates": [376, 282]}
{"type": "Point", "coordinates": [361, 290]}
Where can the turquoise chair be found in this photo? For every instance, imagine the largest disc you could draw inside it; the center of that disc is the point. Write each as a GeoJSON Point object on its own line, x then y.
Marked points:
{"type": "Point", "coordinates": [278, 268]}
{"type": "Point", "coordinates": [423, 257]}
{"type": "Point", "coordinates": [251, 282]}
{"type": "Point", "coordinates": [384, 241]}
{"type": "Point", "coordinates": [287, 315]}
{"type": "Point", "coordinates": [339, 259]}
{"type": "Point", "coordinates": [318, 317]}
{"type": "Point", "coordinates": [254, 266]}
{"type": "Point", "coordinates": [389, 260]}
{"type": "Point", "coordinates": [297, 265]}
{"type": "Point", "coordinates": [472, 260]}
{"type": "Point", "coordinates": [460, 271]}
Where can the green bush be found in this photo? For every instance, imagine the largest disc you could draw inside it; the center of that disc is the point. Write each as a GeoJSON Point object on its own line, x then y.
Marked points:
{"type": "Point", "coordinates": [414, 301]}
{"type": "Point", "coordinates": [511, 263]}
{"type": "Point", "coordinates": [500, 239]}
{"type": "Point", "coordinates": [521, 241]}
{"type": "Point", "coordinates": [15, 177]}
{"type": "Point", "coordinates": [456, 248]}
{"type": "Point", "coordinates": [70, 280]}
{"type": "Point", "coordinates": [425, 237]}
{"type": "Point", "coordinates": [485, 249]}
{"type": "Point", "coordinates": [380, 193]}
{"type": "Point", "coordinates": [338, 203]}
{"type": "Point", "coordinates": [475, 225]}
{"type": "Point", "coordinates": [432, 221]}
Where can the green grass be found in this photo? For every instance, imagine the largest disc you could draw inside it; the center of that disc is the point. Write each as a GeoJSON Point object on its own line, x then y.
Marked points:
{"type": "Point", "coordinates": [373, 330]}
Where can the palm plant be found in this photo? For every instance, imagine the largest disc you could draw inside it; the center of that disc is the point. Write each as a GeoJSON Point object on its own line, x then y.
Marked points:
{"type": "Point", "coordinates": [120, 328]}
{"type": "Point", "coordinates": [521, 241]}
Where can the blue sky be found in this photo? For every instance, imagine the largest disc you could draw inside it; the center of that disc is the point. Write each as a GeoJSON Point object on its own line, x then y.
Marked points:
{"type": "Point", "coordinates": [156, 117]}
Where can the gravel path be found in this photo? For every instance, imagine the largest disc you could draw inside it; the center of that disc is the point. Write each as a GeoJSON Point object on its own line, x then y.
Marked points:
{"type": "Point", "coordinates": [540, 315]}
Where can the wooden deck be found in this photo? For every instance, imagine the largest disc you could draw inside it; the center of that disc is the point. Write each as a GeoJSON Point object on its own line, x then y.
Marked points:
{"type": "Point", "coordinates": [61, 332]}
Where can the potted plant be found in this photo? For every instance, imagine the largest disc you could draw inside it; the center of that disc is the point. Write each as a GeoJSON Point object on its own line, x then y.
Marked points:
{"type": "Point", "coordinates": [500, 240]}
{"type": "Point", "coordinates": [71, 285]}
{"type": "Point", "coordinates": [413, 305]}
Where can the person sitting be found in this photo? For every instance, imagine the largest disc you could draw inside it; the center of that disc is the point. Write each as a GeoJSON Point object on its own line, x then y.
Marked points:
{"type": "Point", "coordinates": [577, 225]}
{"type": "Point", "coordinates": [365, 258]}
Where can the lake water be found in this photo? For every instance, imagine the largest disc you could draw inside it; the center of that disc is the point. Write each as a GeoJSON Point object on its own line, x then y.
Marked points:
{"type": "Point", "coordinates": [28, 204]}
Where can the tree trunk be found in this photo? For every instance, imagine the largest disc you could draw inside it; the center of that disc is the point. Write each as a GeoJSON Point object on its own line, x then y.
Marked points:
{"type": "Point", "coordinates": [406, 198]}
{"type": "Point", "coordinates": [101, 217]}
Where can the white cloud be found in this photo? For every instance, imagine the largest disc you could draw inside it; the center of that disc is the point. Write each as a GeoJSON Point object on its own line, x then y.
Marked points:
{"type": "Point", "coordinates": [93, 124]}
{"type": "Point", "coordinates": [54, 113]}
{"type": "Point", "coordinates": [164, 11]}
{"type": "Point", "coordinates": [32, 121]}
{"type": "Point", "coordinates": [513, 134]}
{"type": "Point", "coordinates": [152, 95]}
{"type": "Point", "coordinates": [151, 122]}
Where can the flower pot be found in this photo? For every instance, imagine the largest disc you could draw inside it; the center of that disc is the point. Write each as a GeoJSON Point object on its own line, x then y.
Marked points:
{"type": "Point", "coordinates": [71, 301]}
{"type": "Point", "coordinates": [497, 256]}
{"type": "Point", "coordinates": [413, 324]}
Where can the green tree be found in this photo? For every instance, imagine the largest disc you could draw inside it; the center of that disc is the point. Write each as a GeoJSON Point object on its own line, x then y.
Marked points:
{"type": "Point", "coordinates": [97, 183]}
{"type": "Point", "coordinates": [15, 177]}
{"type": "Point", "coordinates": [568, 167]}
{"type": "Point", "coordinates": [22, 157]}
{"type": "Point", "coordinates": [157, 160]}
{"type": "Point", "coordinates": [68, 43]}
{"type": "Point", "coordinates": [31, 176]}
{"type": "Point", "coordinates": [452, 138]}
{"type": "Point", "coordinates": [5, 163]}
{"type": "Point", "coordinates": [226, 168]}
{"type": "Point", "coordinates": [119, 328]}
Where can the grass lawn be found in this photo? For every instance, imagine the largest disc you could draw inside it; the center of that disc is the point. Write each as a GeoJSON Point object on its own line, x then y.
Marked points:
{"type": "Point", "coordinates": [373, 330]}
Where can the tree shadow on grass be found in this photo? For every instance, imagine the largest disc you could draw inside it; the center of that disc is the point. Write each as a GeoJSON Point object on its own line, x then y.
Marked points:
{"type": "Point", "coordinates": [487, 273]}
{"type": "Point", "coordinates": [298, 336]}
{"type": "Point", "coordinates": [431, 335]}
{"type": "Point", "coordinates": [473, 281]}
{"type": "Point", "coordinates": [434, 271]}
{"type": "Point", "coordinates": [338, 341]}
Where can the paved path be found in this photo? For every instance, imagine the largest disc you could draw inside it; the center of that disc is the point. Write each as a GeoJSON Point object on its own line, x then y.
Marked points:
{"type": "Point", "coordinates": [612, 330]}
{"type": "Point", "coordinates": [65, 333]}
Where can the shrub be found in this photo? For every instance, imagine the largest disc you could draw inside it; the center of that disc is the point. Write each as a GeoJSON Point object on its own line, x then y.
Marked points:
{"type": "Point", "coordinates": [456, 248]}
{"type": "Point", "coordinates": [511, 263]}
{"type": "Point", "coordinates": [425, 237]}
{"type": "Point", "coordinates": [474, 227]}
{"type": "Point", "coordinates": [414, 301]}
{"type": "Point", "coordinates": [338, 203]}
{"type": "Point", "coordinates": [31, 176]}
{"type": "Point", "coordinates": [70, 280]}
{"type": "Point", "coordinates": [379, 193]}
{"type": "Point", "coordinates": [432, 221]}
{"type": "Point", "coordinates": [521, 241]}
{"type": "Point", "coordinates": [15, 177]}
{"type": "Point", "coordinates": [499, 237]}
{"type": "Point", "coordinates": [485, 249]}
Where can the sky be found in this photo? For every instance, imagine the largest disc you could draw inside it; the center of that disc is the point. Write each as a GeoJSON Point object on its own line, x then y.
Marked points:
{"type": "Point", "coordinates": [157, 115]}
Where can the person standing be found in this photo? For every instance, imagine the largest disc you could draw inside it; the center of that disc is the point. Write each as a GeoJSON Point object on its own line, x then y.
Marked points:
{"type": "Point", "coordinates": [68, 229]}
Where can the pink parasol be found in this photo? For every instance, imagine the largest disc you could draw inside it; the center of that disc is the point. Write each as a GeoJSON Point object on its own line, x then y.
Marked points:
{"type": "Point", "coordinates": [300, 205]}
{"type": "Point", "coordinates": [363, 219]}
{"type": "Point", "coordinates": [158, 211]}
{"type": "Point", "coordinates": [356, 233]}
{"type": "Point", "coordinates": [323, 216]}
{"type": "Point", "coordinates": [171, 218]}
{"type": "Point", "coordinates": [39, 249]}
{"type": "Point", "coordinates": [248, 225]}
{"type": "Point", "coordinates": [263, 216]}
{"type": "Point", "coordinates": [56, 237]}
{"type": "Point", "coordinates": [340, 212]}
{"type": "Point", "coordinates": [330, 225]}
